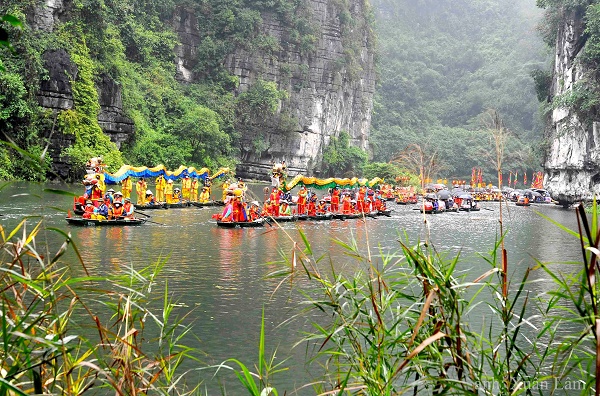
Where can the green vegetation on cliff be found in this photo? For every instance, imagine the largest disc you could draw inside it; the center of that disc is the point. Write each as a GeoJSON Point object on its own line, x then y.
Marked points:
{"type": "Point", "coordinates": [132, 43]}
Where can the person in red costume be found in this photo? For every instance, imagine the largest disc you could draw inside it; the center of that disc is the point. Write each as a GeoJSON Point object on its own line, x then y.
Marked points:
{"type": "Point", "coordinates": [335, 200]}
{"type": "Point", "coordinates": [346, 204]}
{"type": "Point", "coordinates": [274, 198]}
{"type": "Point", "coordinates": [302, 196]}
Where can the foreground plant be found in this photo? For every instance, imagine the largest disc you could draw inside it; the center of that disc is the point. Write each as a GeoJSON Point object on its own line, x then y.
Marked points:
{"type": "Point", "coordinates": [43, 349]}
{"type": "Point", "coordinates": [257, 383]}
{"type": "Point", "coordinates": [400, 324]}
{"type": "Point", "coordinates": [573, 308]}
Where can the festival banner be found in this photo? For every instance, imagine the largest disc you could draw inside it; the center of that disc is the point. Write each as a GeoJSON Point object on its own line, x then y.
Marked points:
{"type": "Point", "coordinates": [145, 172]}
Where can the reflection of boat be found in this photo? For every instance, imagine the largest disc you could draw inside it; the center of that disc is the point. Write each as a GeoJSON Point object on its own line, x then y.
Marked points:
{"type": "Point", "coordinates": [177, 205]}
{"type": "Point", "coordinates": [92, 222]}
{"type": "Point", "coordinates": [386, 212]}
{"type": "Point", "coordinates": [243, 224]}
{"type": "Point", "coordinates": [160, 205]}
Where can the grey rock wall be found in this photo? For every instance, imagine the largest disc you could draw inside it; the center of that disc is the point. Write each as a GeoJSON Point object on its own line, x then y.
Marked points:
{"type": "Point", "coordinates": [55, 92]}
{"type": "Point", "coordinates": [324, 97]}
{"type": "Point", "coordinates": [572, 163]}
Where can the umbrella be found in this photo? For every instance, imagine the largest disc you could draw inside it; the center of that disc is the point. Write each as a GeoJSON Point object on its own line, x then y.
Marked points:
{"type": "Point", "coordinates": [443, 194]}
{"type": "Point", "coordinates": [431, 196]}
{"type": "Point", "coordinates": [465, 196]}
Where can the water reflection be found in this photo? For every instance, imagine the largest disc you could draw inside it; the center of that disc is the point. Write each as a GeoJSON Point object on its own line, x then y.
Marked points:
{"type": "Point", "coordinates": [218, 275]}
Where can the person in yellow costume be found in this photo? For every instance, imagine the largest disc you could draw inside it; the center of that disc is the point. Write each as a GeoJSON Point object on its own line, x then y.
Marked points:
{"type": "Point", "coordinates": [161, 185]}
{"type": "Point", "coordinates": [225, 187]}
{"type": "Point", "coordinates": [140, 188]}
{"type": "Point", "coordinates": [194, 189]}
{"type": "Point", "coordinates": [127, 187]}
{"type": "Point", "coordinates": [186, 186]}
{"type": "Point", "coordinates": [169, 191]}
{"type": "Point", "coordinates": [204, 195]}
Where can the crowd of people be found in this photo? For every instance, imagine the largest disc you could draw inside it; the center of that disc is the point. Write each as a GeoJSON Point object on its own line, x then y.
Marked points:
{"type": "Point", "coordinates": [112, 206]}
{"type": "Point", "coordinates": [280, 204]}
{"type": "Point", "coordinates": [166, 191]}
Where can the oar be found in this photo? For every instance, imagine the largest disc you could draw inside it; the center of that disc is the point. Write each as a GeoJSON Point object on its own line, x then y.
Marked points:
{"type": "Point", "coordinates": [142, 213]}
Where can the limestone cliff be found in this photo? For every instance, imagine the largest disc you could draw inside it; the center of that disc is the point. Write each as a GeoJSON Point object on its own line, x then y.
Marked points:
{"type": "Point", "coordinates": [572, 163]}
{"type": "Point", "coordinates": [330, 86]}
{"type": "Point", "coordinates": [326, 96]}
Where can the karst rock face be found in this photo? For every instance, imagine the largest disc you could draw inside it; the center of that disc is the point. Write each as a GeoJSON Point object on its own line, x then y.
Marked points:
{"type": "Point", "coordinates": [329, 88]}
{"type": "Point", "coordinates": [325, 95]}
{"type": "Point", "coordinates": [55, 92]}
{"type": "Point", "coordinates": [572, 163]}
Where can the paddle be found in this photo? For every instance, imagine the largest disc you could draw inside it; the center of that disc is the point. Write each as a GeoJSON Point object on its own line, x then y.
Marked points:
{"type": "Point", "coordinates": [142, 213]}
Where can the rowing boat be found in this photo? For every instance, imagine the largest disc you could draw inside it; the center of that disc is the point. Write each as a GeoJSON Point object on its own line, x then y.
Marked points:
{"type": "Point", "coordinates": [80, 221]}
{"type": "Point", "coordinates": [385, 212]}
{"type": "Point", "coordinates": [320, 217]}
{"type": "Point", "coordinates": [282, 219]}
{"type": "Point", "coordinates": [160, 205]}
{"type": "Point", "coordinates": [242, 224]}
{"type": "Point", "coordinates": [203, 204]}
{"type": "Point", "coordinates": [177, 205]}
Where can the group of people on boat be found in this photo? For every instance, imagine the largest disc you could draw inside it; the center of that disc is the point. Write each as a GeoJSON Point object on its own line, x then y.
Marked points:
{"type": "Point", "coordinates": [112, 206]}
{"type": "Point", "coordinates": [279, 204]}
{"type": "Point", "coordinates": [167, 192]}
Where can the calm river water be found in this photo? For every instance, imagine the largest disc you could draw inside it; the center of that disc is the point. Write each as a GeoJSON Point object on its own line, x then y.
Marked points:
{"type": "Point", "coordinates": [218, 276]}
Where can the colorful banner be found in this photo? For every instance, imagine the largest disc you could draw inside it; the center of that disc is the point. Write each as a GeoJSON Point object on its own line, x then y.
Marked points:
{"type": "Point", "coordinates": [331, 182]}
{"type": "Point", "coordinates": [145, 172]}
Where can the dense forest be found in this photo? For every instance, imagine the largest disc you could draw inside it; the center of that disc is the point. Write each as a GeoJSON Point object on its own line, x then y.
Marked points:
{"type": "Point", "coordinates": [442, 65]}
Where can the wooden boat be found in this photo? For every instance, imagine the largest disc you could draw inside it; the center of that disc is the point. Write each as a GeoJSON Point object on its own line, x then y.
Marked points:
{"type": "Point", "coordinates": [160, 205]}
{"type": "Point", "coordinates": [80, 221]}
{"type": "Point", "coordinates": [353, 215]}
{"type": "Point", "coordinates": [203, 204]}
{"type": "Point", "coordinates": [320, 217]}
{"type": "Point", "coordinates": [431, 211]}
{"type": "Point", "coordinates": [522, 203]}
{"type": "Point", "coordinates": [386, 212]}
{"type": "Point", "coordinates": [407, 202]}
{"type": "Point", "coordinates": [177, 205]}
{"type": "Point", "coordinates": [241, 224]}
{"type": "Point", "coordinates": [281, 219]}
{"type": "Point", "coordinates": [467, 209]}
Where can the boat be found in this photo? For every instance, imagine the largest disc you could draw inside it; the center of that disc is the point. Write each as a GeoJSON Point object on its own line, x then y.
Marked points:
{"type": "Point", "coordinates": [431, 211]}
{"type": "Point", "coordinates": [523, 201]}
{"type": "Point", "coordinates": [241, 224]}
{"type": "Point", "coordinates": [281, 219]}
{"type": "Point", "coordinates": [80, 221]}
{"type": "Point", "coordinates": [203, 204]}
{"type": "Point", "coordinates": [320, 217]}
{"type": "Point", "coordinates": [177, 205]}
{"type": "Point", "coordinates": [160, 205]}
{"type": "Point", "coordinates": [385, 212]}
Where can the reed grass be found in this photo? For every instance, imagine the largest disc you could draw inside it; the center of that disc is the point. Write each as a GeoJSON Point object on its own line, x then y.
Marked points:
{"type": "Point", "coordinates": [44, 349]}
{"type": "Point", "coordinates": [401, 323]}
